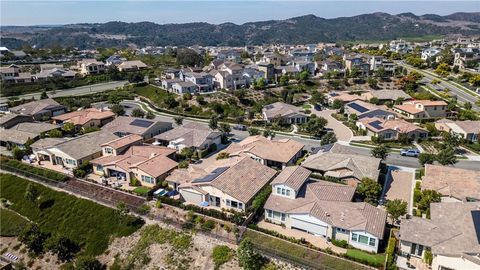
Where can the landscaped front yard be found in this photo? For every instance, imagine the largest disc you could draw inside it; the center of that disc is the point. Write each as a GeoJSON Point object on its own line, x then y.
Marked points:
{"type": "Point", "coordinates": [374, 259]}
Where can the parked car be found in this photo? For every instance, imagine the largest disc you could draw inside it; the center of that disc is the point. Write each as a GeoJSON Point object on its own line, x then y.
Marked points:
{"type": "Point", "coordinates": [317, 107]}
{"type": "Point", "coordinates": [410, 152]}
{"type": "Point", "coordinates": [240, 127]}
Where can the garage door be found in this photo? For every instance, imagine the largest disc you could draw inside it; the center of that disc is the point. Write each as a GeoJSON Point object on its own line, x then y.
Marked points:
{"type": "Point", "coordinates": [191, 197]}
{"type": "Point", "coordinates": [308, 227]}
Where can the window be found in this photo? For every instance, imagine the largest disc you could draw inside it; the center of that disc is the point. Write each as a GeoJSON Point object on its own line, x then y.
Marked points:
{"type": "Point", "coordinates": [148, 179]}
{"type": "Point", "coordinates": [108, 150]}
{"type": "Point", "coordinates": [341, 230]}
{"type": "Point", "coordinates": [372, 242]}
{"type": "Point", "coordinates": [363, 239]}
{"type": "Point", "coordinates": [279, 190]}
{"type": "Point", "coordinates": [228, 202]}
{"type": "Point", "coordinates": [234, 204]}
{"type": "Point", "coordinates": [269, 213]}
{"type": "Point", "coordinates": [283, 191]}
{"type": "Point", "coordinates": [99, 168]}
{"type": "Point", "coordinates": [240, 205]}
{"type": "Point", "coordinates": [71, 162]}
{"type": "Point", "coordinates": [354, 237]}
{"type": "Point", "coordinates": [283, 217]}
{"type": "Point", "coordinates": [288, 192]}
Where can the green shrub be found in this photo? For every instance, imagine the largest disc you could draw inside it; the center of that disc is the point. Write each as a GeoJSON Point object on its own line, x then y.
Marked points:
{"type": "Point", "coordinates": [144, 209]}
{"type": "Point", "coordinates": [417, 195]}
{"type": "Point", "coordinates": [208, 225]}
{"type": "Point", "coordinates": [221, 255]}
{"type": "Point", "coordinates": [340, 243]}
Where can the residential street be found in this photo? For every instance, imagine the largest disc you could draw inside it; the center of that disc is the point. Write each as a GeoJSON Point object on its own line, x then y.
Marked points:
{"type": "Point", "coordinates": [462, 95]}
{"type": "Point", "coordinates": [78, 91]}
{"type": "Point", "coordinates": [339, 129]}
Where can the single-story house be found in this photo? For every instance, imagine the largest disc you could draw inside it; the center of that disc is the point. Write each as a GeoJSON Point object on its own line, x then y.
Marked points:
{"type": "Point", "coordinates": [230, 183]}
{"type": "Point", "coordinates": [190, 135]}
{"type": "Point", "coordinates": [324, 209]}
{"type": "Point", "coordinates": [72, 153]}
{"type": "Point", "coordinates": [386, 95]}
{"type": "Point", "coordinates": [42, 109]}
{"type": "Point", "coordinates": [453, 183]}
{"type": "Point", "coordinates": [364, 109]}
{"type": "Point", "coordinates": [12, 119]}
{"type": "Point", "coordinates": [131, 65]}
{"type": "Point", "coordinates": [23, 133]}
{"type": "Point", "coordinates": [287, 113]}
{"type": "Point", "coordinates": [124, 125]}
{"type": "Point", "coordinates": [343, 97]}
{"type": "Point", "coordinates": [148, 163]}
{"type": "Point", "coordinates": [391, 129]}
{"type": "Point", "coordinates": [348, 168]}
{"type": "Point", "coordinates": [451, 235]}
{"type": "Point", "coordinates": [273, 153]}
{"type": "Point", "coordinates": [468, 130]}
{"type": "Point", "coordinates": [86, 118]}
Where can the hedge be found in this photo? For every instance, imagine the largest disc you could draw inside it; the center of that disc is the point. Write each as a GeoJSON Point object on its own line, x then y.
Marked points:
{"type": "Point", "coordinates": [12, 165]}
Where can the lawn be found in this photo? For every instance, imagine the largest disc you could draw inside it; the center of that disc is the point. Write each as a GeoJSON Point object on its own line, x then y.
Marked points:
{"type": "Point", "coordinates": [11, 224]}
{"type": "Point", "coordinates": [298, 253]}
{"type": "Point", "coordinates": [141, 190]}
{"type": "Point", "coordinates": [374, 259]}
{"type": "Point", "coordinates": [89, 224]}
{"type": "Point", "coordinates": [153, 93]}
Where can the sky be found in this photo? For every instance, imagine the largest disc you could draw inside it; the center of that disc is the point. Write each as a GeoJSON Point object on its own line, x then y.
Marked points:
{"type": "Point", "coordinates": [52, 12]}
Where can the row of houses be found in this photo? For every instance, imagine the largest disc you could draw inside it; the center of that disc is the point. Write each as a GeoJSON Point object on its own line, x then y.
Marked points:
{"type": "Point", "coordinates": [83, 67]}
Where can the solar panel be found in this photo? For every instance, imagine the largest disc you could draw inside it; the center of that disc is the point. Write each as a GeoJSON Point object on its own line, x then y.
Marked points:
{"type": "Point", "coordinates": [141, 123]}
{"type": "Point", "coordinates": [357, 107]}
{"type": "Point", "coordinates": [211, 176]}
{"type": "Point", "coordinates": [376, 124]}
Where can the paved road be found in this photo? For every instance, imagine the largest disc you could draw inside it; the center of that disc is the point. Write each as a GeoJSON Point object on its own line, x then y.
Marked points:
{"type": "Point", "coordinates": [392, 159]}
{"type": "Point", "coordinates": [78, 91]}
{"type": "Point", "coordinates": [462, 96]}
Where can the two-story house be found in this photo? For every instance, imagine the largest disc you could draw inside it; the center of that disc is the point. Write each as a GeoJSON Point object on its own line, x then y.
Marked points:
{"type": "Point", "coordinates": [324, 209]}
{"type": "Point", "coordinates": [90, 66]}
{"type": "Point", "coordinates": [422, 109]}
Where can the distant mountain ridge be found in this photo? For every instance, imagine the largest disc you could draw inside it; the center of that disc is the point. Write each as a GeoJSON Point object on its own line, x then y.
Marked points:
{"type": "Point", "coordinates": [298, 30]}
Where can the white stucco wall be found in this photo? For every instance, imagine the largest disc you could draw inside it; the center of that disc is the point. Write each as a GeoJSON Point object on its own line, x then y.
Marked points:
{"type": "Point", "coordinates": [456, 263]}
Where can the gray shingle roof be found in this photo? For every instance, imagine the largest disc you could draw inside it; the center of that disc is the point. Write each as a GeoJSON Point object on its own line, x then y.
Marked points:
{"type": "Point", "coordinates": [293, 177]}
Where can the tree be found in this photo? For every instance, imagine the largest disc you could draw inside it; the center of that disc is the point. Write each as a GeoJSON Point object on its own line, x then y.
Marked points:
{"type": "Point", "coordinates": [170, 102]}
{"type": "Point", "coordinates": [149, 115]}
{"type": "Point", "coordinates": [64, 247]}
{"type": "Point", "coordinates": [248, 257]}
{"type": "Point", "coordinates": [354, 72]}
{"type": "Point", "coordinates": [55, 133]}
{"type": "Point", "coordinates": [475, 80]}
{"type": "Point", "coordinates": [370, 190]}
{"type": "Point", "coordinates": [381, 72]}
{"type": "Point", "coordinates": [446, 156]}
{"type": "Point", "coordinates": [213, 123]}
{"type": "Point", "coordinates": [188, 57]}
{"type": "Point", "coordinates": [137, 112]}
{"type": "Point", "coordinates": [428, 197]}
{"type": "Point", "coordinates": [68, 128]}
{"type": "Point", "coordinates": [17, 153]}
{"type": "Point", "coordinates": [283, 80]}
{"type": "Point", "coordinates": [225, 128]}
{"type": "Point", "coordinates": [450, 139]}
{"type": "Point", "coordinates": [380, 152]}
{"type": "Point", "coordinates": [187, 152]}
{"type": "Point", "coordinates": [178, 120]}
{"type": "Point", "coordinates": [467, 105]}
{"type": "Point", "coordinates": [33, 238]}
{"type": "Point", "coordinates": [304, 75]}
{"type": "Point", "coordinates": [337, 104]}
{"type": "Point", "coordinates": [396, 209]}
{"type": "Point", "coordinates": [316, 125]}
{"type": "Point", "coordinates": [443, 69]}
{"type": "Point", "coordinates": [317, 98]}
{"type": "Point", "coordinates": [372, 82]}
{"type": "Point", "coordinates": [268, 133]}
{"type": "Point", "coordinates": [135, 77]}
{"type": "Point", "coordinates": [44, 95]}
{"type": "Point", "coordinates": [31, 193]}
{"type": "Point", "coordinates": [253, 131]}
{"type": "Point", "coordinates": [425, 158]}
{"type": "Point", "coordinates": [328, 138]}
{"type": "Point", "coordinates": [118, 109]}
{"type": "Point", "coordinates": [89, 263]}
{"type": "Point", "coordinates": [374, 100]}
{"type": "Point", "coordinates": [260, 83]}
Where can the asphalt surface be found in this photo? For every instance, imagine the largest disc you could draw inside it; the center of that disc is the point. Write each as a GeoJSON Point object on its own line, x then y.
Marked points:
{"type": "Point", "coordinates": [78, 91]}
{"type": "Point", "coordinates": [462, 95]}
{"type": "Point", "coordinates": [237, 135]}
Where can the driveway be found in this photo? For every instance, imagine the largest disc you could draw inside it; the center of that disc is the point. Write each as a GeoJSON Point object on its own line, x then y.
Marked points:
{"type": "Point", "coordinates": [342, 132]}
